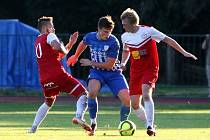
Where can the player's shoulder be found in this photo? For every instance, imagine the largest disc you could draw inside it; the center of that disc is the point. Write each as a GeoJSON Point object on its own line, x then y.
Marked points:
{"type": "Point", "coordinates": [51, 35]}
{"type": "Point", "coordinates": [145, 28]}
{"type": "Point", "coordinates": [113, 37]}
{"type": "Point", "coordinates": [42, 35]}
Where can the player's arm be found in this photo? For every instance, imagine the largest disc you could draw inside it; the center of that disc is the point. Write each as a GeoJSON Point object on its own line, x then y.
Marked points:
{"type": "Point", "coordinates": [171, 42]}
{"type": "Point", "coordinates": [53, 41]}
{"type": "Point", "coordinates": [111, 55]}
{"type": "Point", "coordinates": [125, 56]}
{"type": "Point", "coordinates": [74, 58]}
{"type": "Point", "coordinates": [72, 41]}
{"type": "Point", "coordinates": [109, 64]}
{"type": "Point", "coordinates": [59, 46]}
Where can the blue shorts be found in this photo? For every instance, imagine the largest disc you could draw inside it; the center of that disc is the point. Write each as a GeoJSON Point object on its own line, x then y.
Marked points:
{"type": "Point", "coordinates": [114, 79]}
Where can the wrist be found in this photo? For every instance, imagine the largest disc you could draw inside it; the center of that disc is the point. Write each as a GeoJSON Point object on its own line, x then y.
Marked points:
{"type": "Point", "coordinates": [123, 64]}
{"type": "Point", "coordinates": [91, 63]}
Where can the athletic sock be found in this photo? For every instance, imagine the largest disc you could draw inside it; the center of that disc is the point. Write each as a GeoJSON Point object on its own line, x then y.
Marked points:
{"type": "Point", "coordinates": [41, 114]}
{"type": "Point", "coordinates": [93, 108]}
{"type": "Point", "coordinates": [140, 113]}
{"type": "Point", "coordinates": [149, 109]}
{"type": "Point", "coordinates": [81, 107]}
{"type": "Point", "coordinates": [124, 112]}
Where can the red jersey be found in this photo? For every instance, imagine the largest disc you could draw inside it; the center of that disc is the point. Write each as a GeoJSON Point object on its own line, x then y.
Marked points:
{"type": "Point", "coordinates": [144, 57]}
{"type": "Point", "coordinates": [143, 50]}
{"type": "Point", "coordinates": [48, 59]}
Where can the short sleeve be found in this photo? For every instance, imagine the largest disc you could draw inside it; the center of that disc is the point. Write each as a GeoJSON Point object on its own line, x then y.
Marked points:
{"type": "Point", "coordinates": [51, 37]}
{"type": "Point", "coordinates": [157, 35]}
{"type": "Point", "coordinates": [123, 42]}
{"type": "Point", "coordinates": [114, 49]}
{"type": "Point", "coordinates": [85, 39]}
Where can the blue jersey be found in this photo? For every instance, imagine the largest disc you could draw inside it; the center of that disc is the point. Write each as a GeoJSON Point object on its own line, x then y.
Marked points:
{"type": "Point", "coordinates": [102, 49]}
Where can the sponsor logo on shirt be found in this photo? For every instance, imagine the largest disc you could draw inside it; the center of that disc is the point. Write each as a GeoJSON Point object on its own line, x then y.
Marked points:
{"type": "Point", "coordinates": [106, 47]}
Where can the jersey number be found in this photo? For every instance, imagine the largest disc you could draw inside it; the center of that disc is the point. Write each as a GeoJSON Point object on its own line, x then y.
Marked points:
{"type": "Point", "coordinates": [38, 51]}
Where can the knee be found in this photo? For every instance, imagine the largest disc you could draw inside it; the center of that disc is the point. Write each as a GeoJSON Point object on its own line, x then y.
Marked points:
{"type": "Point", "coordinates": [126, 102]}
{"type": "Point", "coordinates": [50, 101]}
{"type": "Point", "coordinates": [147, 97]}
{"type": "Point", "coordinates": [92, 95]}
{"type": "Point", "coordinates": [135, 106]}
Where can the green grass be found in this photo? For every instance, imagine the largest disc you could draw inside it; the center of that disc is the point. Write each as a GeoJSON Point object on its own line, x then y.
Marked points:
{"type": "Point", "coordinates": [161, 90]}
{"type": "Point", "coordinates": [175, 122]}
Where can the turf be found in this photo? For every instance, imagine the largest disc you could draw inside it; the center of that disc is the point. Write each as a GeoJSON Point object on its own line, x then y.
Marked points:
{"type": "Point", "coordinates": [174, 121]}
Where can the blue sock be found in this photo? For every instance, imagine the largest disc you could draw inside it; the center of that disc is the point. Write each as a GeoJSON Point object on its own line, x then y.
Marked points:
{"type": "Point", "coordinates": [124, 112]}
{"type": "Point", "coordinates": [92, 107]}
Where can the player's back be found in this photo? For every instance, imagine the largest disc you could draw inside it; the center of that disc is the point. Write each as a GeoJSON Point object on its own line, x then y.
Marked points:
{"type": "Point", "coordinates": [47, 58]}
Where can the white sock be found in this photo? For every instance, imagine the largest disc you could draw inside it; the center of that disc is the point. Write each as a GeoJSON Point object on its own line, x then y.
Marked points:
{"type": "Point", "coordinates": [93, 121]}
{"type": "Point", "coordinates": [140, 113]}
{"type": "Point", "coordinates": [81, 107]}
{"type": "Point", "coordinates": [149, 109]}
{"type": "Point", "coordinates": [41, 114]}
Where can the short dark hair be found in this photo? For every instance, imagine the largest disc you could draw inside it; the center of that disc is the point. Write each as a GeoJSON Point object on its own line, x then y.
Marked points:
{"type": "Point", "coordinates": [106, 22]}
{"type": "Point", "coordinates": [43, 21]}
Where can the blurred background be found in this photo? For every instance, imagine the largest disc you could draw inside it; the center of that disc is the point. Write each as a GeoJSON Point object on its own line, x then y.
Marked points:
{"type": "Point", "coordinates": [187, 21]}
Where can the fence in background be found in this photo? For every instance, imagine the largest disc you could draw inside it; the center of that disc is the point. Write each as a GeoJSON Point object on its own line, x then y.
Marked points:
{"type": "Point", "coordinates": [175, 69]}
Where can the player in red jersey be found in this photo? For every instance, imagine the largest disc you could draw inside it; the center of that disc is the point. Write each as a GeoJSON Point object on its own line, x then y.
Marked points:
{"type": "Point", "coordinates": [53, 77]}
{"type": "Point", "coordinates": [139, 42]}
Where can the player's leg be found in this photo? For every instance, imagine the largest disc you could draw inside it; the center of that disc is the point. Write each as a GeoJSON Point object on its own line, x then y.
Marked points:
{"type": "Point", "coordinates": [41, 113]}
{"type": "Point", "coordinates": [149, 108]}
{"type": "Point", "coordinates": [81, 108]}
{"type": "Point", "coordinates": [125, 106]}
{"type": "Point", "coordinates": [93, 86]}
{"type": "Point", "coordinates": [208, 77]}
{"type": "Point", "coordinates": [148, 84]}
{"type": "Point", "coordinates": [136, 97]}
{"type": "Point", "coordinates": [73, 87]}
{"type": "Point", "coordinates": [118, 85]}
{"type": "Point", "coordinates": [138, 108]}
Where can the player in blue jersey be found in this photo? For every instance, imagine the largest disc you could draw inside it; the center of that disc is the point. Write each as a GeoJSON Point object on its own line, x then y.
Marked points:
{"type": "Point", "coordinates": [104, 49]}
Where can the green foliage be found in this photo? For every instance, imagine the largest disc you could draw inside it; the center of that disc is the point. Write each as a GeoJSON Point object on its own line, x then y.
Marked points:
{"type": "Point", "coordinates": [170, 16]}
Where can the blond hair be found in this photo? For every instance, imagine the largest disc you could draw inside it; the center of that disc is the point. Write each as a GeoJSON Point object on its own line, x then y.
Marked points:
{"type": "Point", "coordinates": [131, 15]}
{"type": "Point", "coordinates": [43, 21]}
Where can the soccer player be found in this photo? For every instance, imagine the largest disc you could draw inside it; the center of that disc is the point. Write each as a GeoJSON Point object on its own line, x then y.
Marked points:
{"type": "Point", "coordinates": [53, 77]}
{"type": "Point", "coordinates": [206, 45]}
{"type": "Point", "coordinates": [139, 42]}
{"type": "Point", "coordinates": [104, 48]}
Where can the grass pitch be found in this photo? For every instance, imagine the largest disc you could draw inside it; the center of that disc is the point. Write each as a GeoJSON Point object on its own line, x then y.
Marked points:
{"type": "Point", "coordinates": [175, 122]}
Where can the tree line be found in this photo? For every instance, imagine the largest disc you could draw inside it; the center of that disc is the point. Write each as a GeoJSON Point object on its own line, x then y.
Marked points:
{"type": "Point", "coordinates": [169, 16]}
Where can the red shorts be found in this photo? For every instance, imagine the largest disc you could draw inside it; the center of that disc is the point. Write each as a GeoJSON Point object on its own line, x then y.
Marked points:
{"type": "Point", "coordinates": [137, 79]}
{"type": "Point", "coordinates": [62, 83]}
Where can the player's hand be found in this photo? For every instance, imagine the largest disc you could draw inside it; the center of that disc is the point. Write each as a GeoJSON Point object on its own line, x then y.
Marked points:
{"type": "Point", "coordinates": [187, 54]}
{"type": "Point", "coordinates": [123, 67]}
{"type": "Point", "coordinates": [72, 60]}
{"type": "Point", "coordinates": [73, 38]}
{"type": "Point", "coordinates": [61, 56]}
{"type": "Point", "coordinates": [85, 62]}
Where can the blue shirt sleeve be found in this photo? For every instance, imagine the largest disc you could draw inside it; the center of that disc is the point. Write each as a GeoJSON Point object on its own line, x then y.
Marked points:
{"type": "Point", "coordinates": [85, 39]}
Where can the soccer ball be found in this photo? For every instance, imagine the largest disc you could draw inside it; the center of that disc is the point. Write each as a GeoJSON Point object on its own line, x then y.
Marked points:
{"type": "Point", "coordinates": [127, 128]}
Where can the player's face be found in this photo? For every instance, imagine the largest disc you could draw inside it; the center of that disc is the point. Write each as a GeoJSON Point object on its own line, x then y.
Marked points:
{"type": "Point", "coordinates": [127, 26]}
{"type": "Point", "coordinates": [104, 33]}
{"type": "Point", "coordinates": [50, 28]}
